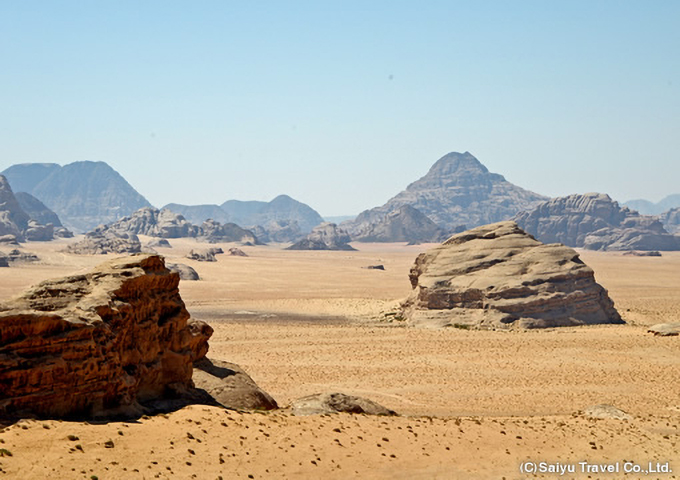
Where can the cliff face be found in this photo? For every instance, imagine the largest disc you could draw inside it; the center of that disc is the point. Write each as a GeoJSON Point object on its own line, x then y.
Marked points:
{"type": "Point", "coordinates": [499, 276]}
{"type": "Point", "coordinates": [98, 344]}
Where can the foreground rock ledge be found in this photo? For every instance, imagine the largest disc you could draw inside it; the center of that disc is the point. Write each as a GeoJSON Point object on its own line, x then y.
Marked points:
{"type": "Point", "coordinates": [498, 276]}
{"type": "Point", "coordinates": [98, 344]}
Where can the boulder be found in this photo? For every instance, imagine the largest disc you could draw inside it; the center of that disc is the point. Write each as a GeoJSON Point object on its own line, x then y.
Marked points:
{"type": "Point", "coordinates": [665, 329]}
{"type": "Point", "coordinates": [231, 386]}
{"type": "Point", "coordinates": [498, 276]}
{"type": "Point", "coordinates": [104, 240]}
{"type": "Point", "coordinates": [98, 344]}
{"type": "Point", "coordinates": [327, 236]}
{"type": "Point", "coordinates": [605, 411]}
{"type": "Point", "coordinates": [185, 271]}
{"type": "Point", "coordinates": [326, 403]}
{"type": "Point", "coordinates": [596, 222]}
{"type": "Point", "coordinates": [237, 252]}
{"type": "Point", "coordinates": [62, 232]}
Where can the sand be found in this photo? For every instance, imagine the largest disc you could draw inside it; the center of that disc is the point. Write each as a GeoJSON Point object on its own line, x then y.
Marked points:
{"type": "Point", "coordinates": [474, 404]}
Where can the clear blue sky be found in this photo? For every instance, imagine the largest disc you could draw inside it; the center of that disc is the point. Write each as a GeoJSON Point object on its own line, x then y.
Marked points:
{"type": "Point", "coordinates": [341, 104]}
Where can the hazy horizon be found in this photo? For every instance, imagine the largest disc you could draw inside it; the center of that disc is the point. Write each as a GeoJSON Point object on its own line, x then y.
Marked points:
{"type": "Point", "coordinates": [341, 107]}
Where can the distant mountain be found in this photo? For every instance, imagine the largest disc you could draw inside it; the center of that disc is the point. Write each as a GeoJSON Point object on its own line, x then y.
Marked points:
{"type": "Point", "coordinates": [407, 224]}
{"type": "Point", "coordinates": [646, 207]}
{"type": "Point", "coordinates": [596, 222]}
{"type": "Point", "coordinates": [13, 218]}
{"type": "Point", "coordinates": [457, 191]}
{"type": "Point", "coordinates": [198, 214]}
{"type": "Point", "coordinates": [283, 207]}
{"type": "Point", "coordinates": [83, 194]}
{"type": "Point", "coordinates": [37, 210]}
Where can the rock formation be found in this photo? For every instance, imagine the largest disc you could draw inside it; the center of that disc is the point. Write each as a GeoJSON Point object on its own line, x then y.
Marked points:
{"type": "Point", "coordinates": [185, 271]}
{"type": "Point", "coordinates": [82, 194]}
{"type": "Point", "coordinates": [665, 329]}
{"type": "Point", "coordinates": [8, 240]}
{"type": "Point", "coordinates": [498, 276]}
{"type": "Point", "coordinates": [13, 219]}
{"type": "Point", "coordinates": [17, 256]}
{"type": "Point", "coordinates": [103, 240]}
{"type": "Point", "coordinates": [214, 232]}
{"type": "Point", "coordinates": [595, 222]}
{"type": "Point", "coordinates": [327, 403]}
{"type": "Point", "coordinates": [231, 386]}
{"type": "Point", "coordinates": [327, 236]}
{"type": "Point", "coordinates": [237, 252]}
{"type": "Point", "coordinates": [671, 220]}
{"type": "Point", "coordinates": [202, 255]}
{"type": "Point", "coordinates": [406, 224]}
{"type": "Point", "coordinates": [155, 223]}
{"type": "Point", "coordinates": [457, 191]}
{"type": "Point", "coordinates": [98, 344]}
{"type": "Point", "coordinates": [279, 231]}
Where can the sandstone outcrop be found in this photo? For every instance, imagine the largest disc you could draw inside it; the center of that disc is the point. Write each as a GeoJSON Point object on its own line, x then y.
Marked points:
{"type": "Point", "coordinates": [327, 403]}
{"type": "Point", "coordinates": [102, 241]}
{"type": "Point", "coordinates": [8, 240]}
{"type": "Point", "coordinates": [671, 220]}
{"type": "Point", "coordinates": [327, 236]}
{"type": "Point", "coordinates": [230, 386]}
{"type": "Point", "coordinates": [498, 276]}
{"type": "Point", "coordinates": [155, 223]}
{"type": "Point", "coordinates": [202, 255]}
{"type": "Point", "coordinates": [649, 253]}
{"type": "Point", "coordinates": [457, 191]}
{"type": "Point", "coordinates": [17, 256]}
{"type": "Point", "coordinates": [98, 344]}
{"type": "Point", "coordinates": [279, 231]}
{"type": "Point", "coordinates": [237, 252]}
{"type": "Point", "coordinates": [36, 232]}
{"type": "Point", "coordinates": [215, 232]}
{"type": "Point", "coordinates": [596, 222]}
{"type": "Point", "coordinates": [604, 411]}
{"type": "Point", "coordinates": [185, 271]}
{"type": "Point", "coordinates": [406, 224]}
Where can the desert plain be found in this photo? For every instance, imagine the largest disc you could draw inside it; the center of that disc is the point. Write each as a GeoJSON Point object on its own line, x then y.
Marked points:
{"type": "Point", "coordinates": [471, 404]}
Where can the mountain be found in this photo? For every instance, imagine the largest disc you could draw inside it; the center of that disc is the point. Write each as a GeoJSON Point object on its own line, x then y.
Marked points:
{"type": "Point", "coordinates": [646, 207]}
{"type": "Point", "coordinates": [282, 207]}
{"type": "Point", "coordinates": [457, 191]}
{"type": "Point", "coordinates": [198, 214]}
{"type": "Point", "coordinates": [406, 224]}
{"type": "Point", "coordinates": [596, 222]}
{"type": "Point", "coordinates": [83, 194]}
{"type": "Point", "coordinates": [37, 210]}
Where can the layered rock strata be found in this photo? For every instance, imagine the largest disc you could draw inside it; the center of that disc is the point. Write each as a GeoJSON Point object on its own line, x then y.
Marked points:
{"type": "Point", "coordinates": [98, 344]}
{"type": "Point", "coordinates": [498, 276]}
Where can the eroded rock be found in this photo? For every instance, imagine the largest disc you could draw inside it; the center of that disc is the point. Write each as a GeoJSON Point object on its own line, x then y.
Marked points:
{"type": "Point", "coordinates": [327, 236]}
{"type": "Point", "coordinates": [498, 276]}
{"type": "Point", "coordinates": [98, 344]}
{"type": "Point", "coordinates": [103, 240]}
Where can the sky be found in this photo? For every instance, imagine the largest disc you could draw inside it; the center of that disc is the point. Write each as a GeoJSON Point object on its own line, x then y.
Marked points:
{"type": "Point", "coordinates": [342, 104]}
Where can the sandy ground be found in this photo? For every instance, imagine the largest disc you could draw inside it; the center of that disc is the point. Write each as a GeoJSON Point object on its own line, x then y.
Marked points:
{"type": "Point", "coordinates": [473, 404]}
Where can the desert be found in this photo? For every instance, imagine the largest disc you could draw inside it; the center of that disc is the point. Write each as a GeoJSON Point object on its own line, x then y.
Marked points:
{"type": "Point", "coordinates": [471, 403]}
